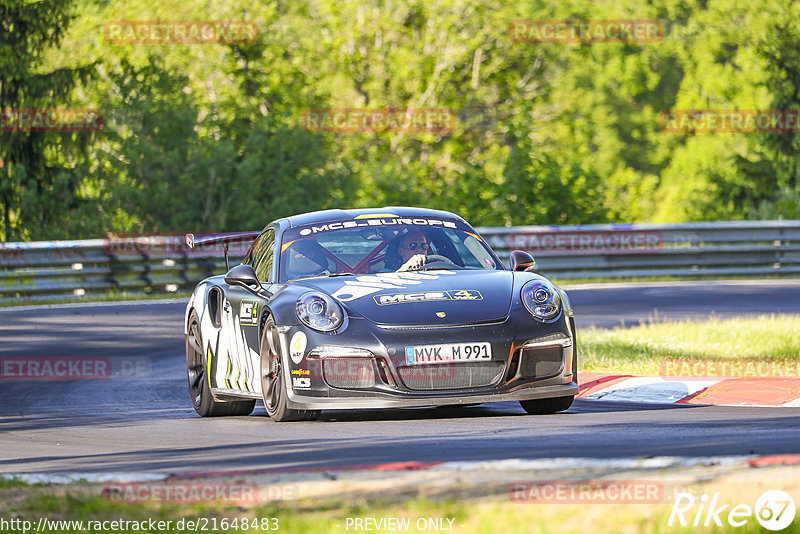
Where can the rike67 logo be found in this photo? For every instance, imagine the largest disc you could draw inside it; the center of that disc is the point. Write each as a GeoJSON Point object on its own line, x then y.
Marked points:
{"type": "Point", "coordinates": [774, 510]}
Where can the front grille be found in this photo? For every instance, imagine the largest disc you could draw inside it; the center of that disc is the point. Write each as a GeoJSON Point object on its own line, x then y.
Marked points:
{"type": "Point", "coordinates": [451, 375]}
{"type": "Point", "coordinates": [348, 373]}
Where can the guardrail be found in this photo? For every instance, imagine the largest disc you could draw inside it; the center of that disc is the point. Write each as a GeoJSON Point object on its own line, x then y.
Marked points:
{"type": "Point", "coordinates": [741, 248]}
{"type": "Point", "coordinates": [54, 270]}
{"type": "Point", "coordinates": [132, 264]}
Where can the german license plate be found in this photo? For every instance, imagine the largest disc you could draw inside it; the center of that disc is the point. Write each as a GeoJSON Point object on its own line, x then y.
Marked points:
{"type": "Point", "coordinates": [452, 352]}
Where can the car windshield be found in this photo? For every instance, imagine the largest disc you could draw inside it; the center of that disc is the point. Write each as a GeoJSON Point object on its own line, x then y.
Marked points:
{"type": "Point", "coordinates": [382, 245]}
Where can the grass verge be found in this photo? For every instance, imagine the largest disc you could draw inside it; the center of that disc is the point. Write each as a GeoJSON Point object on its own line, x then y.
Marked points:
{"type": "Point", "coordinates": [763, 344]}
{"type": "Point", "coordinates": [496, 514]}
{"type": "Point", "coordinates": [486, 515]}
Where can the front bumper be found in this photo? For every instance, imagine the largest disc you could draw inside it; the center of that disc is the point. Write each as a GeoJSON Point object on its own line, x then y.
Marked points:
{"type": "Point", "coordinates": [519, 344]}
{"type": "Point", "coordinates": [360, 403]}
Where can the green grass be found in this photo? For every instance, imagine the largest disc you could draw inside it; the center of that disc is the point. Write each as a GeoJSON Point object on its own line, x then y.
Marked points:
{"type": "Point", "coordinates": [772, 340]}
{"type": "Point", "coordinates": [486, 515]}
{"type": "Point", "coordinates": [11, 483]}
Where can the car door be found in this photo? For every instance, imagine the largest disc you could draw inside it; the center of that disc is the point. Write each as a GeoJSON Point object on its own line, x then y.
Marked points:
{"type": "Point", "coordinates": [242, 311]}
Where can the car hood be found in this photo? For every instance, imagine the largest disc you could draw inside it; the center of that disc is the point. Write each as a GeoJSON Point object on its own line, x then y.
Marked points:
{"type": "Point", "coordinates": [423, 297]}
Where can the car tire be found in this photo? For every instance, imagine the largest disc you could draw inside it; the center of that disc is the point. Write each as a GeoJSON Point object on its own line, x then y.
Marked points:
{"type": "Point", "coordinates": [197, 373]}
{"type": "Point", "coordinates": [547, 406]}
{"type": "Point", "coordinates": [272, 387]}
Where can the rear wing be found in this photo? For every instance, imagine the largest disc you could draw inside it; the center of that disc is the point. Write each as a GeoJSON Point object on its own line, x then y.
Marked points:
{"type": "Point", "coordinates": [207, 240]}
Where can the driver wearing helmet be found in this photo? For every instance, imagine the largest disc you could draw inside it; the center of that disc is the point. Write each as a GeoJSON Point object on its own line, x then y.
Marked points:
{"type": "Point", "coordinates": [306, 258]}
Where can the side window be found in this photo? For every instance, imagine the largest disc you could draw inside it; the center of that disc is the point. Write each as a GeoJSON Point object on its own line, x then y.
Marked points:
{"type": "Point", "coordinates": [472, 253]}
{"type": "Point", "coordinates": [247, 259]}
{"type": "Point", "coordinates": [262, 255]}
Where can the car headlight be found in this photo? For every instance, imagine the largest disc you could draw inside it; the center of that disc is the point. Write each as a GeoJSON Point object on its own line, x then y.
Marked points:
{"type": "Point", "coordinates": [319, 311]}
{"type": "Point", "coordinates": [541, 299]}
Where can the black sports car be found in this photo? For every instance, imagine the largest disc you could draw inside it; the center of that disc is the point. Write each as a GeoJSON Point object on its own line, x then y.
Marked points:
{"type": "Point", "coordinates": [376, 308]}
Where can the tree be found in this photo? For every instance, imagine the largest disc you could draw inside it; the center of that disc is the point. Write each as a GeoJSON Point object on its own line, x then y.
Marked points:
{"type": "Point", "coordinates": [775, 176]}
{"type": "Point", "coordinates": [36, 177]}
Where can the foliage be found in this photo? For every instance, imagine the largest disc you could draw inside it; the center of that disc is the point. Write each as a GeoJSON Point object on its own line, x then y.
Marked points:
{"type": "Point", "coordinates": [208, 136]}
{"type": "Point", "coordinates": [39, 185]}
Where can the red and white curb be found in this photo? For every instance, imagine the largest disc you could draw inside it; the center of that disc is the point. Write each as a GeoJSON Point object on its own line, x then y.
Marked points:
{"type": "Point", "coordinates": [722, 391]}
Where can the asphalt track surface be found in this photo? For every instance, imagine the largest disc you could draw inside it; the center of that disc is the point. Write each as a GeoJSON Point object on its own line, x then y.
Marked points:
{"type": "Point", "coordinates": [141, 419]}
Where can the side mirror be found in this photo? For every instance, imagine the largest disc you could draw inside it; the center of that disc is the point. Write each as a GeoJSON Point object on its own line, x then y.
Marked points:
{"type": "Point", "coordinates": [244, 276]}
{"type": "Point", "coordinates": [522, 261]}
